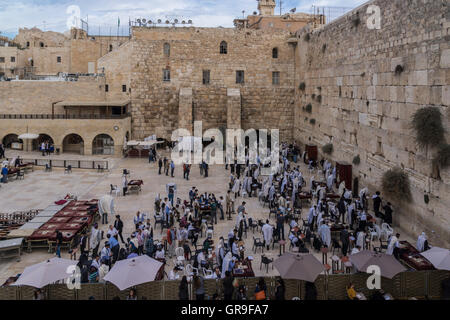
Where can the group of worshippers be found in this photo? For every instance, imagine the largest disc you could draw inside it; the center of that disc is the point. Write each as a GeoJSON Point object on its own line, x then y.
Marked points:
{"type": "Point", "coordinates": [46, 148]}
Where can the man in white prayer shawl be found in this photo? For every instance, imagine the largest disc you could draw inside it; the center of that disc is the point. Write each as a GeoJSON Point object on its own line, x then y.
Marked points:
{"type": "Point", "coordinates": [236, 187]}
{"type": "Point", "coordinates": [392, 244]}
{"type": "Point", "coordinates": [311, 184]}
{"type": "Point", "coordinates": [321, 193]}
{"type": "Point", "coordinates": [334, 172]}
{"type": "Point", "coordinates": [341, 188]}
{"type": "Point", "coordinates": [330, 180]}
{"type": "Point", "coordinates": [267, 231]}
{"type": "Point", "coordinates": [421, 242]}
{"type": "Point", "coordinates": [360, 239]}
{"type": "Point", "coordinates": [350, 209]}
{"type": "Point", "coordinates": [325, 234]}
{"type": "Point", "coordinates": [312, 214]}
{"type": "Point", "coordinates": [226, 263]}
{"type": "Point", "coordinates": [362, 195]}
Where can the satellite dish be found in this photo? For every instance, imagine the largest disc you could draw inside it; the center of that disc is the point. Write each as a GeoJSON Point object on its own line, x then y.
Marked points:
{"type": "Point", "coordinates": [159, 20]}
{"type": "Point", "coordinates": [139, 21]}
{"type": "Point", "coordinates": [176, 20]}
{"type": "Point", "coordinates": [190, 21]}
{"type": "Point", "coordinates": [293, 10]}
{"type": "Point", "coordinates": [167, 21]}
{"type": "Point", "coordinates": [150, 21]}
{"type": "Point", "coordinates": [183, 22]}
{"type": "Point", "coordinates": [144, 21]}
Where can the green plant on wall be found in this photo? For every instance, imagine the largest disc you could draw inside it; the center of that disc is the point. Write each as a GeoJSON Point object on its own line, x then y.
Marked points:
{"type": "Point", "coordinates": [427, 124]}
{"type": "Point", "coordinates": [302, 86]}
{"type": "Point", "coordinates": [307, 37]}
{"type": "Point", "coordinates": [356, 160]}
{"type": "Point", "coordinates": [319, 98]}
{"type": "Point", "coordinates": [328, 148]}
{"type": "Point", "coordinates": [395, 182]}
{"type": "Point", "coordinates": [443, 155]}
{"type": "Point", "coordinates": [308, 108]}
{"type": "Point", "coordinates": [312, 121]}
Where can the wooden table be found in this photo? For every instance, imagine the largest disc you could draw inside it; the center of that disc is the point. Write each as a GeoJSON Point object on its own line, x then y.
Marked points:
{"type": "Point", "coordinates": [135, 185]}
{"type": "Point", "coordinates": [246, 271]}
{"type": "Point", "coordinates": [11, 248]}
{"type": "Point", "coordinates": [412, 258]}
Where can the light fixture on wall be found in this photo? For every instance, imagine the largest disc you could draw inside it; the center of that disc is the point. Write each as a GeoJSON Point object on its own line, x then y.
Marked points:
{"type": "Point", "coordinates": [116, 128]}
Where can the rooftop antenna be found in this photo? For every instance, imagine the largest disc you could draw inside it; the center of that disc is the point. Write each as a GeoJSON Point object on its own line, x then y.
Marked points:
{"type": "Point", "coordinates": [281, 6]}
{"type": "Point", "coordinates": [243, 14]}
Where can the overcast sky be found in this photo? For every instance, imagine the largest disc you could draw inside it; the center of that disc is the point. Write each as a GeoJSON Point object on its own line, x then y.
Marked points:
{"type": "Point", "coordinates": [105, 13]}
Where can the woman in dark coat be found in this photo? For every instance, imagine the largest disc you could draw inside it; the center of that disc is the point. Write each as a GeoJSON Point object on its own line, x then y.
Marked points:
{"type": "Point", "coordinates": [280, 290]}
{"type": "Point", "coordinates": [183, 293]}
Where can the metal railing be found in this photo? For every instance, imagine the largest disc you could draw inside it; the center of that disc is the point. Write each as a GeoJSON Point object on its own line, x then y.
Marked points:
{"type": "Point", "coordinates": [63, 116]}
{"type": "Point", "coordinates": [75, 164]}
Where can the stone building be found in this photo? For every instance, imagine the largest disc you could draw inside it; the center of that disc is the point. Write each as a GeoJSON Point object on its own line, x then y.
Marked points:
{"type": "Point", "coordinates": [260, 74]}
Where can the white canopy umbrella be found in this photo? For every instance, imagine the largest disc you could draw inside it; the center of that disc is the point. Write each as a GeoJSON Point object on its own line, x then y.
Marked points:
{"type": "Point", "coordinates": [28, 136]}
{"type": "Point", "coordinates": [134, 271]}
{"type": "Point", "coordinates": [439, 257]}
{"type": "Point", "coordinates": [41, 274]}
{"type": "Point", "coordinates": [132, 143]}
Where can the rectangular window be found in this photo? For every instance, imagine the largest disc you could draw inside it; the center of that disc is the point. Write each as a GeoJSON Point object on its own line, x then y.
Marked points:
{"type": "Point", "coordinates": [206, 74]}
{"type": "Point", "coordinates": [276, 77]}
{"type": "Point", "coordinates": [124, 88]}
{"type": "Point", "coordinates": [58, 59]}
{"type": "Point", "coordinates": [13, 59]}
{"type": "Point", "coordinates": [166, 75]}
{"type": "Point", "coordinates": [2, 59]}
{"type": "Point", "coordinates": [240, 76]}
{"type": "Point", "coordinates": [106, 88]}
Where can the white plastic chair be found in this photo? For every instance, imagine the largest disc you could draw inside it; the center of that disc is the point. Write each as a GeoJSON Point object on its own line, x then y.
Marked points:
{"type": "Point", "coordinates": [208, 274]}
{"type": "Point", "coordinates": [386, 231]}
{"type": "Point", "coordinates": [373, 234]}
{"type": "Point", "coordinates": [179, 253]}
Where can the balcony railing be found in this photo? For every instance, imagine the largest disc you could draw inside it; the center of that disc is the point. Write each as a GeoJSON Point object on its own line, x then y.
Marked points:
{"type": "Point", "coordinates": [63, 116]}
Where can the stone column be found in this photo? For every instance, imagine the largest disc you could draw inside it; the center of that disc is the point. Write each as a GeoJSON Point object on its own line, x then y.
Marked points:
{"type": "Point", "coordinates": [233, 108]}
{"type": "Point", "coordinates": [185, 112]}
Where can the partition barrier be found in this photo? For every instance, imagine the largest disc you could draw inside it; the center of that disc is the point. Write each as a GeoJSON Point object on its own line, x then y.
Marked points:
{"type": "Point", "coordinates": [420, 284]}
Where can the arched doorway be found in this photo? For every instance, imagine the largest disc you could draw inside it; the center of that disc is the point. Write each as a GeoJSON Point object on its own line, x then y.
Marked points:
{"type": "Point", "coordinates": [42, 138]}
{"type": "Point", "coordinates": [9, 139]}
{"type": "Point", "coordinates": [73, 143]}
{"type": "Point", "coordinates": [103, 144]}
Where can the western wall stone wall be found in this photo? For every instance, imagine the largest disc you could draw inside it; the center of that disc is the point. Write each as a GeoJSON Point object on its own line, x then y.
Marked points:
{"type": "Point", "coordinates": [192, 50]}
{"type": "Point", "coordinates": [366, 106]}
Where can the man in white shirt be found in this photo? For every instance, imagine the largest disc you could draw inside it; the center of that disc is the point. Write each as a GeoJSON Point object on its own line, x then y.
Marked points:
{"type": "Point", "coordinates": [112, 231]}
{"type": "Point", "coordinates": [267, 231]}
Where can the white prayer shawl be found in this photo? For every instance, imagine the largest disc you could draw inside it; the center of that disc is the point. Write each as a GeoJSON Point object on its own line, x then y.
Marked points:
{"type": "Point", "coordinates": [321, 193]}
{"type": "Point", "coordinates": [362, 193]}
{"type": "Point", "coordinates": [283, 185]}
{"type": "Point", "coordinates": [94, 239]}
{"type": "Point", "coordinates": [330, 182]}
{"type": "Point", "coordinates": [327, 173]}
{"type": "Point", "coordinates": [226, 263]}
{"type": "Point", "coordinates": [319, 218]}
{"type": "Point", "coordinates": [421, 242]}
{"type": "Point", "coordinates": [267, 231]}
{"type": "Point", "coordinates": [271, 192]}
{"type": "Point", "coordinates": [325, 234]}
{"type": "Point", "coordinates": [312, 213]}
{"type": "Point", "coordinates": [348, 194]}
{"type": "Point", "coordinates": [349, 213]}
{"type": "Point", "coordinates": [311, 180]}
{"type": "Point", "coordinates": [236, 186]}
{"type": "Point", "coordinates": [256, 173]}
{"type": "Point", "coordinates": [106, 204]}
{"type": "Point", "coordinates": [239, 217]}
{"type": "Point", "coordinates": [391, 246]}
{"type": "Point", "coordinates": [334, 172]}
{"type": "Point", "coordinates": [354, 250]}
{"type": "Point", "coordinates": [360, 239]}
{"type": "Point", "coordinates": [341, 188]}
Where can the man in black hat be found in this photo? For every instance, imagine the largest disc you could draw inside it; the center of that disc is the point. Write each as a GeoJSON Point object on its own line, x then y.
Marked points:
{"type": "Point", "coordinates": [118, 224]}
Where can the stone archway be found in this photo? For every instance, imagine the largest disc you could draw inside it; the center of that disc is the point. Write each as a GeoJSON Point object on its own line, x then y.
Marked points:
{"type": "Point", "coordinates": [9, 139]}
{"type": "Point", "coordinates": [43, 137]}
{"type": "Point", "coordinates": [103, 144]}
{"type": "Point", "coordinates": [73, 143]}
